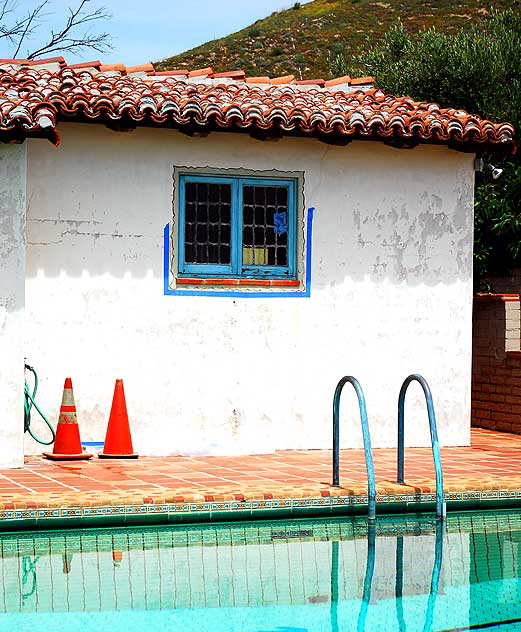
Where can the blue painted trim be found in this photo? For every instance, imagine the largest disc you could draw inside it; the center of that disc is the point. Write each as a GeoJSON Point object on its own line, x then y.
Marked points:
{"type": "Point", "coordinates": [236, 268]}
{"type": "Point", "coordinates": [192, 269]}
{"type": "Point", "coordinates": [266, 294]}
{"type": "Point", "coordinates": [288, 271]}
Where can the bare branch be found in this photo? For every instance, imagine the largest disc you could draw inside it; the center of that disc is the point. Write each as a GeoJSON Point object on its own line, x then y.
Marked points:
{"type": "Point", "coordinates": [76, 34]}
{"type": "Point", "coordinates": [100, 43]}
{"type": "Point", "coordinates": [62, 40]}
{"type": "Point", "coordinates": [31, 23]}
{"type": "Point", "coordinates": [7, 7]}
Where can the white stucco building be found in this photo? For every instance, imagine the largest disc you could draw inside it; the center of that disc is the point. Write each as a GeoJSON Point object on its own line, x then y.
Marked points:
{"type": "Point", "coordinates": [231, 249]}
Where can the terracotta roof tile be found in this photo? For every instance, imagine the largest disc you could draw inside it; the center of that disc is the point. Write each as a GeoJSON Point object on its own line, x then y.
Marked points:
{"type": "Point", "coordinates": [361, 81]}
{"type": "Point", "coordinates": [172, 73]}
{"type": "Point", "coordinates": [338, 81]}
{"type": "Point", "coordinates": [19, 62]}
{"type": "Point", "coordinates": [113, 67]}
{"type": "Point", "coordinates": [311, 82]}
{"type": "Point", "coordinates": [281, 80]}
{"type": "Point", "coordinates": [34, 100]}
{"type": "Point", "coordinates": [202, 72]}
{"type": "Point", "coordinates": [141, 68]}
{"type": "Point", "coordinates": [49, 60]}
{"type": "Point", "coordinates": [257, 80]}
{"type": "Point", "coordinates": [87, 64]}
{"type": "Point", "coordinates": [232, 74]}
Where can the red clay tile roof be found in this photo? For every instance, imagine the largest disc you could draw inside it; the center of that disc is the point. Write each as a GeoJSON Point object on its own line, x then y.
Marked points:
{"type": "Point", "coordinates": [36, 96]}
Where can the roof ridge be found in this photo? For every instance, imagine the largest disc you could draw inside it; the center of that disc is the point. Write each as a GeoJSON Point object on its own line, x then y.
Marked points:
{"type": "Point", "coordinates": [200, 73]}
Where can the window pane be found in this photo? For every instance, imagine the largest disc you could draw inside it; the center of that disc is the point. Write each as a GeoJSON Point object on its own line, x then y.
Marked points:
{"type": "Point", "coordinates": [265, 225]}
{"type": "Point", "coordinates": [207, 223]}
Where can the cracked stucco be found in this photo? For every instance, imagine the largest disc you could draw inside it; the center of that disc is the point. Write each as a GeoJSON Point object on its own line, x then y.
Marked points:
{"type": "Point", "coordinates": [391, 294]}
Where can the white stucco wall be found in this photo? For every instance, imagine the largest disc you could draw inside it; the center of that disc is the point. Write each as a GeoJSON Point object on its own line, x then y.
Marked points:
{"type": "Point", "coordinates": [391, 294]}
{"type": "Point", "coordinates": [13, 162]}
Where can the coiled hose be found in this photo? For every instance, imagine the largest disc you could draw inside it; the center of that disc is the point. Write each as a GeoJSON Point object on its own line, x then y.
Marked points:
{"type": "Point", "coordinates": [29, 403]}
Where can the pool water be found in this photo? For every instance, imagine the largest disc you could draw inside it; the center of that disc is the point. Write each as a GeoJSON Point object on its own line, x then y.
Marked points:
{"type": "Point", "coordinates": [405, 574]}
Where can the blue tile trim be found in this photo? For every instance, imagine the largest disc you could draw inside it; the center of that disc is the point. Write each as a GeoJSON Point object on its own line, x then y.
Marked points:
{"type": "Point", "coordinates": [265, 294]}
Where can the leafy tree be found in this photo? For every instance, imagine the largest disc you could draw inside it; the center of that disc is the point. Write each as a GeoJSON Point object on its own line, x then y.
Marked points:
{"type": "Point", "coordinates": [479, 70]}
{"type": "Point", "coordinates": [19, 29]}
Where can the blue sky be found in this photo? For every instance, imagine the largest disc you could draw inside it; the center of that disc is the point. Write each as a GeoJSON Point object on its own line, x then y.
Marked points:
{"type": "Point", "coordinates": [151, 30]}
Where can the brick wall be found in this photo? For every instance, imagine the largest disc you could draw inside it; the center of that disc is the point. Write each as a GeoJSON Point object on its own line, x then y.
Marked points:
{"type": "Point", "coordinates": [496, 362]}
{"type": "Point", "coordinates": [506, 284]}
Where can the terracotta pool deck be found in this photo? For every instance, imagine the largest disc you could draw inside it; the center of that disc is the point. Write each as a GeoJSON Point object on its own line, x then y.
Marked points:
{"type": "Point", "coordinates": [180, 488]}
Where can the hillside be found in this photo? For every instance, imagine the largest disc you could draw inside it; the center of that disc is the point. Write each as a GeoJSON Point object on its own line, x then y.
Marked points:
{"type": "Point", "coordinates": [300, 40]}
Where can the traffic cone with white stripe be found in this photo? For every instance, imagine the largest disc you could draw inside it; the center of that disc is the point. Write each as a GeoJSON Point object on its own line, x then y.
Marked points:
{"type": "Point", "coordinates": [67, 445]}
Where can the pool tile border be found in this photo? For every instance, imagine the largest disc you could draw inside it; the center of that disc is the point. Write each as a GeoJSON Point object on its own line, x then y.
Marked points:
{"type": "Point", "coordinates": [121, 514]}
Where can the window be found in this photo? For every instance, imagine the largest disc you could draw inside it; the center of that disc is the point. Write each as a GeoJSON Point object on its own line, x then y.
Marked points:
{"type": "Point", "coordinates": [237, 227]}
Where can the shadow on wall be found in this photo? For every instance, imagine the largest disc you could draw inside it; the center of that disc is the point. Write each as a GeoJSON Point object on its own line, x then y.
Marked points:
{"type": "Point", "coordinates": [98, 204]}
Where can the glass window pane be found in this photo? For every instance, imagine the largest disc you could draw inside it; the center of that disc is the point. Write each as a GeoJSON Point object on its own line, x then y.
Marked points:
{"type": "Point", "coordinates": [207, 223]}
{"type": "Point", "coordinates": [265, 225]}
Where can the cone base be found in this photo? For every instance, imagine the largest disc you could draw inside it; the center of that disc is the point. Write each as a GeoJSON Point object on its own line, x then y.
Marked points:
{"type": "Point", "coordinates": [66, 457]}
{"type": "Point", "coordinates": [102, 455]}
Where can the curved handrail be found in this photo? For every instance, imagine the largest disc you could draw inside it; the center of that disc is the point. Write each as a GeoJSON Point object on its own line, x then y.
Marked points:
{"type": "Point", "coordinates": [434, 438]}
{"type": "Point", "coordinates": [371, 484]}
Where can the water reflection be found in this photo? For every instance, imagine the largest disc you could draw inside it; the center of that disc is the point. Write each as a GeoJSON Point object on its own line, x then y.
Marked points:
{"type": "Point", "coordinates": [333, 576]}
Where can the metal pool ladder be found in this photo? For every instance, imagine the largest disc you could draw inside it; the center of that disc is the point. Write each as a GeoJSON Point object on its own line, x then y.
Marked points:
{"type": "Point", "coordinates": [371, 484]}
{"type": "Point", "coordinates": [440, 504]}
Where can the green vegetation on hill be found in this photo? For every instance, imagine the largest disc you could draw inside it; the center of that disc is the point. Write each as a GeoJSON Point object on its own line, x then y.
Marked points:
{"type": "Point", "coordinates": [304, 39]}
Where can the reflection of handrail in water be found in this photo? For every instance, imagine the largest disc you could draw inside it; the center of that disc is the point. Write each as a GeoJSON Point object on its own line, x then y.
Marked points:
{"type": "Point", "coordinates": [334, 586]}
{"type": "Point", "coordinates": [440, 505]}
{"type": "Point", "coordinates": [368, 579]}
{"type": "Point", "coordinates": [371, 484]}
{"type": "Point", "coordinates": [398, 591]}
{"type": "Point", "coordinates": [28, 566]}
{"type": "Point", "coordinates": [435, 580]}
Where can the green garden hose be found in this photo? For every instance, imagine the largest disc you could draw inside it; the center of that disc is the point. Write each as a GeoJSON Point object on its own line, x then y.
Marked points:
{"type": "Point", "coordinates": [28, 404]}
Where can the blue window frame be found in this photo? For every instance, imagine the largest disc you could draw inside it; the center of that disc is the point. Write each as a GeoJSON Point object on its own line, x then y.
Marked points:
{"type": "Point", "coordinates": [237, 227]}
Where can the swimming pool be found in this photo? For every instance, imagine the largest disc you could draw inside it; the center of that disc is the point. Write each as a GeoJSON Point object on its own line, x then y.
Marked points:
{"type": "Point", "coordinates": [296, 576]}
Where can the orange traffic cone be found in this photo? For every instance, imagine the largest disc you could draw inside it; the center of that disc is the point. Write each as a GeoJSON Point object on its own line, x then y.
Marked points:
{"type": "Point", "coordinates": [117, 558]}
{"type": "Point", "coordinates": [67, 561]}
{"type": "Point", "coordinates": [118, 442]}
{"type": "Point", "coordinates": [67, 445]}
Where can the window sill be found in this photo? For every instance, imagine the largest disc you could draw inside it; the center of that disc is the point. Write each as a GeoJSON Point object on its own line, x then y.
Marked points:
{"type": "Point", "coordinates": [240, 282]}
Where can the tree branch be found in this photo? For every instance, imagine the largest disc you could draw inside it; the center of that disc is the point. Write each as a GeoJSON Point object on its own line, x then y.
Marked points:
{"type": "Point", "coordinates": [31, 22]}
{"type": "Point", "coordinates": [61, 40]}
{"type": "Point", "coordinates": [75, 34]}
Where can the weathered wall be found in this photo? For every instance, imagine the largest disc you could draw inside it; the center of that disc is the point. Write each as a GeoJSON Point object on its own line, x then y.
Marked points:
{"type": "Point", "coordinates": [13, 162]}
{"type": "Point", "coordinates": [496, 363]}
{"type": "Point", "coordinates": [391, 294]}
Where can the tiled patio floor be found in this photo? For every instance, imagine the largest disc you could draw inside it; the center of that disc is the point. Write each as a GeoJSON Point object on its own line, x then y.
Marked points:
{"type": "Point", "coordinates": [492, 462]}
